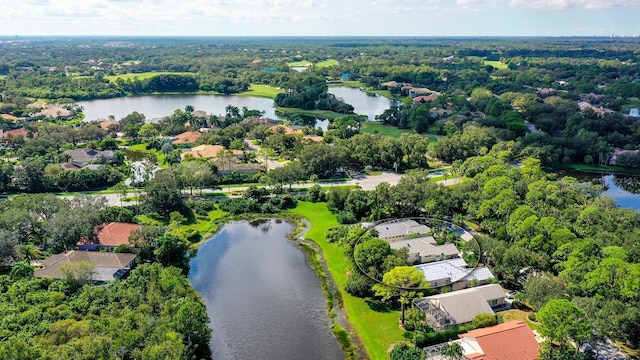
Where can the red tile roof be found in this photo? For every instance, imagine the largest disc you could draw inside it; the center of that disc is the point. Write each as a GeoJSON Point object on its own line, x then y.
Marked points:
{"type": "Point", "coordinates": [511, 340]}
{"type": "Point", "coordinates": [187, 137]}
{"type": "Point", "coordinates": [15, 132]}
{"type": "Point", "coordinates": [116, 233]}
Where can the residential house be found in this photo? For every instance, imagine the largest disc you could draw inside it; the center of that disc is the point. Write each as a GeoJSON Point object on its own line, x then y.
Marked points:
{"type": "Point", "coordinates": [425, 250]}
{"type": "Point", "coordinates": [444, 311]}
{"type": "Point", "coordinates": [51, 111]}
{"type": "Point", "coordinates": [114, 234]}
{"type": "Point", "coordinates": [9, 117]}
{"type": "Point", "coordinates": [82, 157]}
{"type": "Point", "coordinates": [421, 99]}
{"type": "Point", "coordinates": [510, 340]}
{"type": "Point", "coordinates": [414, 91]}
{"type": "Point", "coordinates": [544, 92]}
{"type": "Point", "coordinates": [390, 84]}
{"type": "Point", "coordinates": [109, 266]}
{"type": "Point", "coordinates": [188, 137]}
{"type": "Point", "coordinates": [209, 152]}
{"type": "Point", "coordinates": [401, 229]}
{"type": "Point", "coordinates": [14, 133]}
{"type": "Point", "coordinates": [454, 272]}
{"type": "Point", "coordinates": [284, 129]}
{"type": "Point", "coordinates": [583, 105]}
{"type": "Point", "coordinates": [617, 152]}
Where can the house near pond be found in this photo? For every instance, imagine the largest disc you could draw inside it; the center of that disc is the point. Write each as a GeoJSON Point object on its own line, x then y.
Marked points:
{"type": "Point", "coordinates": [444, 311]}
{"type": "Point", "coordinates": [82, 157]}
{"type": "Point", "coordinates": [426, 250]}
{"type": "Point", "coordinates": [454, 272]}
{"type": "Point", "coordinates": [510, 340]}
{"type": "Point", "coordinates": [109, 266]}
{"type": "Point", "coordinates": [109, 236]}
{"type": "Point", "coordinates": [401, 230]}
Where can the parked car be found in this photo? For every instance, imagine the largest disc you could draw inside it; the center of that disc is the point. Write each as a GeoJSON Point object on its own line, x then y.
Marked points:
{"type": "Point", "coordinates": [512, 294]}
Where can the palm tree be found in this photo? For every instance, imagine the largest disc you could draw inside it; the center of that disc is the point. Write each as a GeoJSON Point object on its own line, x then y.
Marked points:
{"type": "Point", "coordinates": [22, 270]}
{"type": "Point", "coordinates": [452, 351]}
{"type": "Point", "coordinates": [30, 252]}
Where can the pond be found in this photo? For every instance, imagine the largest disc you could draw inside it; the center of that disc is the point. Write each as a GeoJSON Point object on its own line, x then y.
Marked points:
{"type": "Point", "coordinates": [156, 106]}
{"type": "Point", "coordinates": [625, 190]}
{"type": "Point", "coordinates": [263, 299]}
{"type": "Point", "coordinates": [362, 102]}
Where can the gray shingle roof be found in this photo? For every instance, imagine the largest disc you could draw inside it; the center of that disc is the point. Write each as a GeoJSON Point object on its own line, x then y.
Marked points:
{"type": "Point", "coordinates": [463, 305]}
{"type": "Point", "coordinates": [400, 229]}
{"type": "Point", "coordinates": [107, 264]}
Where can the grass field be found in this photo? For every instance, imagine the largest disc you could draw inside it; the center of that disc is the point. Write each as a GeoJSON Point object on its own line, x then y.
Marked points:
{"type": "Point", "coordinates": [260, 90]}
{"type": "Point", "coordinates": [327, 63]}
{"type": "Point", "coordinates": [377, 330]}
{"type": "Point", "coordinates": [496, 64]}
{"type": "Point", "coordinates": [206, 227]}
{"type": "Point", "coordinates": [596, 168]}
{"type": "Point", "coordinates": [299, 63]}
{"type": "Point", "coordinates": [142, 76]}
{"type": "Point", "coordinates": [377, 128]}
{"type": "Point", "coordinates": [325, 114]}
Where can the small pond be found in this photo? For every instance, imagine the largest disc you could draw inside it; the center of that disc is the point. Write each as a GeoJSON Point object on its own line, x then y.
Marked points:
{"type": "Point", "coordinates": [263, 299]}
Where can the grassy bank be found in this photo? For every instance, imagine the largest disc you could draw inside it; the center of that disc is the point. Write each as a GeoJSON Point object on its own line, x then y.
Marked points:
{"type": "Point", "coordinates": [597, 168]}
{"type": "Point", "coordinates": [299, 63]}
{"type": "Point", "coordinates": [264, 91]}
{"type": "Point", "coordinates": [327, 63]}
{"type": "Point", "coordinates": [377, 330]}
{"type": "Point", "coordinates": [325, 114]}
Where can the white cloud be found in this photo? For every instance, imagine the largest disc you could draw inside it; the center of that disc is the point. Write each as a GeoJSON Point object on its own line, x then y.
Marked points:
{"type": "Point", "coordinates": [565, 4]}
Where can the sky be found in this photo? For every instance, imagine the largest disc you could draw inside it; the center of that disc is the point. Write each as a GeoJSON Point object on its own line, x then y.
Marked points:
{"type": "Point", "coordinates": [320, 17]}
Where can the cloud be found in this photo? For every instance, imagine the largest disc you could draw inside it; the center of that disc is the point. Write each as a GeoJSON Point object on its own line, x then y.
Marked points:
{"type": "Point", "coordinates": [566, 4]}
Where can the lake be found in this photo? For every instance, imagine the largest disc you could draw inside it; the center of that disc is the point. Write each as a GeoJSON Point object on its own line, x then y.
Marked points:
{"type": "Point", "coordinates": [155, 106]}
{"type": "Point", "coordinates": [263, 299]}
{"type": "Point", "coordinates": [363, 103]}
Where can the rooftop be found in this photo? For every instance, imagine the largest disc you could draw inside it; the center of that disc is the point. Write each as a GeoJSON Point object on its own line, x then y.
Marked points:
{"type": "Point", "coordinates": [454, 270]}
{"type": "Point", "coordinates": [401, 229]}
{"type": "Point", "coordinates": [187, 137]}
{"type": "Point", "coordinates": [107, 264]}
{"type": "Point", "coordinates": [463, 305]}
{"type": "Point", "coordinates": [425, 246]}
{"type": "Point", "coordinates": [116, 233]}
{"type": "Point", "coordinates": [510, 340]}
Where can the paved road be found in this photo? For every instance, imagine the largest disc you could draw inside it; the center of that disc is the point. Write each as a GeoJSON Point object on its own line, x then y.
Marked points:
{"type": "Point", "coordinates": [364, 181]}
{"type": "Point", "coordinates": [271, 164]}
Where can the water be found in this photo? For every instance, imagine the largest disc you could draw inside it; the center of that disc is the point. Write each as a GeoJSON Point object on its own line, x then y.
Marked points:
{"type": "Point", "coordinates": [263, 299]}
{"type": "Point", "coordinates": [363, 103]}
{"type": "Point", "coordinates": [155, 106]}
{"type": "Point", "coordinates": [625, 190]}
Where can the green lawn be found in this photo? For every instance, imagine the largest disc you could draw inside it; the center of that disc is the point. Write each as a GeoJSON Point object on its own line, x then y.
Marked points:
{"type": "Point", "coordinates": [299, 63]}
{"type": "Point", "coordinates": [377, 330]}
{"type": "Point", "coordinates": [325, 114]}
{"type": "Point", "coordinates": [496, 64]}
{"type": "Point", "coordinates": [377, 128]}
{"type": "Point", "coordinates": [260, 90]}
{"type": "Point", "coordinates": [611, 169]}
{"type": "Point", "coordinates": [144, 75]}
{"type": "Point", "coordinates": [327, 63]}
{"type": "Point", "coordinates": [206, 227]}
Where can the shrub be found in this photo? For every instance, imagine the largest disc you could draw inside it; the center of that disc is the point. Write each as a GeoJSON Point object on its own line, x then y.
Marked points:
{"type": "Point", "coordinates": [484, 319]}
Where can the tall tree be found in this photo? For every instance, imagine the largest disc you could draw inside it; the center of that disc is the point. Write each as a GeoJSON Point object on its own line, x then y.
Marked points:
{"type": "Point", "coordinates": [404, 282]}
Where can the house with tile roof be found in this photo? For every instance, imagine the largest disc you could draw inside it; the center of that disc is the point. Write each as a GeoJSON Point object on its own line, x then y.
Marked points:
{"type": "Point", "coordinates": [444, 311]}
{"type": "Point", "coordinates": [115, 233]}
{"type": "Point", "coordinates": [82, 157]}
{"type": "Point", "coordinates": [209, 152]}
{"type": "Point", "coordinates": [109, 266]}
{"type": "Point", "coordinates": [401, 229]}
{"type": "Point", "coordinates": [510, 340]}
{"type": "Point", "coordinates": [187, 137]}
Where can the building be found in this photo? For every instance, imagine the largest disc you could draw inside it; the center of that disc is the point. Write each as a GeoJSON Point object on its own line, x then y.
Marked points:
{"type": "Point", "coordinates": [188, 137]}
{"type": "Point", "coordinates": [209, 152]}
{"type": "Point", "coordinates": [511, 340]}
{"type": "Point", "coordinates": [421, 99]}
{"type": "Point", "coordinates": [115, 233]}
{"type": "Point", "coordinates": [634, 112]}
{"type": "Point", "coordinates": [13, 133]}
{"type": "Point", "coordinates": [401, 229]}
{"type": "Point", "coordinates": [618, 152]}
{"type": "Point", "coordinates": [425, 250]}
{"type": "Point", "coordinates": [454, 272]}
{"type": "Point", "coordinates": [444, 311]}
{"type": "Point", "coordinates": [109, 266]}
{"type": "Point", "coordinates": [81, 157]}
